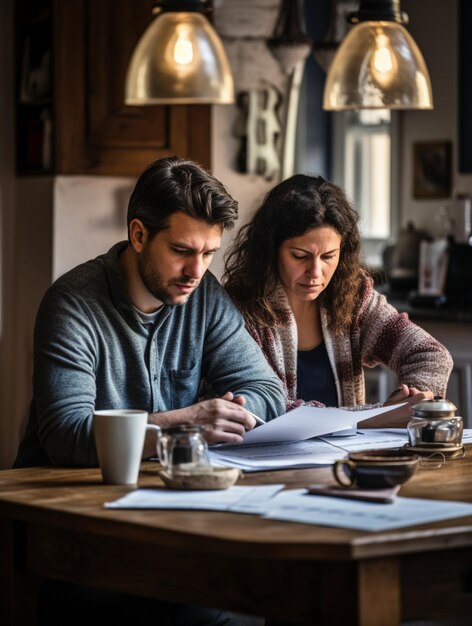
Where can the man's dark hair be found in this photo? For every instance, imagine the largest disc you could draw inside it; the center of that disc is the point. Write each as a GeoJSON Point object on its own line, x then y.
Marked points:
{"type": "Point", "coordinates": [173, 184]}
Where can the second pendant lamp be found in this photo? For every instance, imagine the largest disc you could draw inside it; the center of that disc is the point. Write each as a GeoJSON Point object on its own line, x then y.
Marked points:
{"type": "Point", "coordinates": [378, 64]}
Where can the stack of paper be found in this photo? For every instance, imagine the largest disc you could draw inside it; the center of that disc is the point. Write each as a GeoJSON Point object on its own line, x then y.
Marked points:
{"type": "Point", "coordinates": [298, 439]}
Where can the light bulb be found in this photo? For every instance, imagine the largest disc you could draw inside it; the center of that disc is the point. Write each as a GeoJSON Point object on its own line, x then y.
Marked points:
{"type": "Point", "coordinates": [383, 65]}
{"type": "Point", "coordinates": [183, 50]}
{"type": "Point", "coordinates": [382, 57]}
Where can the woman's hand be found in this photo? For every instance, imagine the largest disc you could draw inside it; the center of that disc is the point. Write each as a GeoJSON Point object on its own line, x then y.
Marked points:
{"type": "Point", "coordinates": [398, 418]}
{"type": "Point", "coordinates": [408, 394]}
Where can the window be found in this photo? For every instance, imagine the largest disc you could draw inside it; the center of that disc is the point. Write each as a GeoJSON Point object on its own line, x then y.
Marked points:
{"type": "Point", "coordinates": [362, 165]}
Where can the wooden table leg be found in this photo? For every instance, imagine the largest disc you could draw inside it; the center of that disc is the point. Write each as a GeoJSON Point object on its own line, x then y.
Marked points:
{"type": "Point", "coordinates": [18, 589]}
{"type": "Point", "coordinates": [6, 572]}
{"type": "Point", "coordinates": [379, 600]}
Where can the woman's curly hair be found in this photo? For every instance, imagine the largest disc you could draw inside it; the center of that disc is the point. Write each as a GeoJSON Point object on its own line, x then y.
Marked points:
{"type": "Point", "coordinates": [289, 210]}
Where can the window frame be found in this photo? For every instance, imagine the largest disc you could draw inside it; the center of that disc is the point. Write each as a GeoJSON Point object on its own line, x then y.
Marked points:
{"type": "Point", "coordinates": [372, 246]}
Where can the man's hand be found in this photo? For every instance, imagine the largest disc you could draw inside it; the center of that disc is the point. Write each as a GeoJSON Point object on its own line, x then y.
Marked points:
{"type": "Point", "coordinates": [224, 420]}
{"type": "Point", "coordinates": [400, 417]}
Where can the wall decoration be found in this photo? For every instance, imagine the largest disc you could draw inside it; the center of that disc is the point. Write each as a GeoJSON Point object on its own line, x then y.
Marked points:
{"type": "Point", "coordinates": [267, 48]}
{"type": "Point", "coordinates": [432, 169]}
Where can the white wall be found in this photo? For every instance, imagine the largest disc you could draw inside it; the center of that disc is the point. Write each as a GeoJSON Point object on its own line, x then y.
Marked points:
{"type": "Point", "coordinates": [89, 217]}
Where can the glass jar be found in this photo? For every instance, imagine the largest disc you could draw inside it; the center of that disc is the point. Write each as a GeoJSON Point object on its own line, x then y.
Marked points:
{"type": "Point", "coordinates": [183, 450]}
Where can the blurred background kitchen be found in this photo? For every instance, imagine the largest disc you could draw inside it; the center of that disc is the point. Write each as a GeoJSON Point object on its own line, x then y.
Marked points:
{"type": "Point", "coordinates": [70, 151]}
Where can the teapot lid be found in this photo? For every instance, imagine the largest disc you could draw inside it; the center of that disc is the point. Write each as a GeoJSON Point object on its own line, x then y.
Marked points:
{"type": "Point", "coordinates": [182, 428]}
{"type": "Point", "coordinates": [438, 407]}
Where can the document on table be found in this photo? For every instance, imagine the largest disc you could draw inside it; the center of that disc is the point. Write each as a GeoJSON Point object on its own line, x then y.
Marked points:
{"type": "Point", "coordinates": [307, 453]}
{"type": "Point", "coordinates": [370, 439]}
{"type": "Point", "coordinates": [467, 435]}
{"type": "Point", "coordinates": [306, 422]}
{"type": "Point", "coordinates": [296, 505]}
{"type": "Point", "coordinates": [272, 456]}
{"type": "Point", "coordinates": [238, 499]}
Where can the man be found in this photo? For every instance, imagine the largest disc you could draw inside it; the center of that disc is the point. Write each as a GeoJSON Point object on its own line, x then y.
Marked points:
{"type": "Point", "coordinates": [141, 327]}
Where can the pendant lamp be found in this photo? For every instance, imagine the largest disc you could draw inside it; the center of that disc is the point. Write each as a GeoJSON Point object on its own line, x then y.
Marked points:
{"type": "Point", "coordinates": [378, 64]}
{"type": "Point", "coordinates": [179, 59]}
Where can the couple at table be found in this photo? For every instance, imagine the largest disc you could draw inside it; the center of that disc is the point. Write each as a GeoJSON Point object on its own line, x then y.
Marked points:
{"type": "Point", "coordinates": [144, 324]}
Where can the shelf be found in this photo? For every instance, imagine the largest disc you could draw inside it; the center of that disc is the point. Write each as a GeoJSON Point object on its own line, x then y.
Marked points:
{"type": "Point", "coordinates": [33, 99]}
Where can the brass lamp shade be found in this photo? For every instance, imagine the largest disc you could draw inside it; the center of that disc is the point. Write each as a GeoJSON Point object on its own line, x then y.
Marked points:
{"type": "Point", "coordinates": [179, 60]}
{"type": "Point", "coordinates": [378, 66]}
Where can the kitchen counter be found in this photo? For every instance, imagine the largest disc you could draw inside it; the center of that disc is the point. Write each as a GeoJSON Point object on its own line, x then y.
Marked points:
{"type": "Point", "coordinates": [443, 313]}
{"type": "Point", "coordinates": [453, 328]}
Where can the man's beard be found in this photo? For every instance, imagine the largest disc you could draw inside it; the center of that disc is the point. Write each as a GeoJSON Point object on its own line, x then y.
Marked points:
{"type": "Point", "coordinates": [154, 282]}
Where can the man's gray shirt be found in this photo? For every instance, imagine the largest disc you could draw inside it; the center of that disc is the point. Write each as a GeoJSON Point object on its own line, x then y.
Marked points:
{"type": "Point", "coordinates": [91, 351]}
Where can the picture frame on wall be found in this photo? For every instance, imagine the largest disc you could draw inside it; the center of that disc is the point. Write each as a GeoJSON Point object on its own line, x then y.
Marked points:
{"type": "Point", "coordinates": [432, 169]}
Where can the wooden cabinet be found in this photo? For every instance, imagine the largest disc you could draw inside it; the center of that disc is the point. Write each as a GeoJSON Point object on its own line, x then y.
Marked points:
{"type": "Point", "coordinates": [93, 132]}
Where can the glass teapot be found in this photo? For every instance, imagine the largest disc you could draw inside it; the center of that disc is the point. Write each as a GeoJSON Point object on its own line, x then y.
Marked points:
{"type": "Point", "coordinates": [183, 450]}
{"type": "Point", "coordinates": [435, 425]}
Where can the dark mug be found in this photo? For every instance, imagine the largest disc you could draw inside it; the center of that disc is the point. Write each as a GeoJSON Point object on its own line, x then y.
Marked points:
{"type": "Point", "coordinates": [377, 469]}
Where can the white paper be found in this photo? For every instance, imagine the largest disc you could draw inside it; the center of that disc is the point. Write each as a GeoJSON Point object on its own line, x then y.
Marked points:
{"type": "Point", "coordinates": [307, 453]}
{"type": "Point", "coordinates": [370, 439]}
{"type": "Point", "coordinates": [467, 435]}
{"type": "Point", "coordinates": [296, 505]}
{"type": "Point", "coordinates": [306, 422]}
{"type": "Point", "coordinates": [240, 499]}
{"type": "Point", "coordinates": [274, 456]}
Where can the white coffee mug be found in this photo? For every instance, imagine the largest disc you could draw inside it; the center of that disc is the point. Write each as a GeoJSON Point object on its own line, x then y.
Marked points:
{"type": "Point", "coordinates": [119, 439]}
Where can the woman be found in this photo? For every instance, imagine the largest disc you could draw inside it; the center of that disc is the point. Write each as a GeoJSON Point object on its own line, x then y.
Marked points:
{"type": "Point", "coordinates": [296, 275]}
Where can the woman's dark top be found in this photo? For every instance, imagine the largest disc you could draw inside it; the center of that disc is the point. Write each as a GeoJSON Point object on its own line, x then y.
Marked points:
{"type": "Point", "coordinates": [315, 380]}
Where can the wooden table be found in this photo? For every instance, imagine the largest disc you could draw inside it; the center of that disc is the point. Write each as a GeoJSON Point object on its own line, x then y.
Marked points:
{"type": "Point", "coordinates": [52, 523]}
